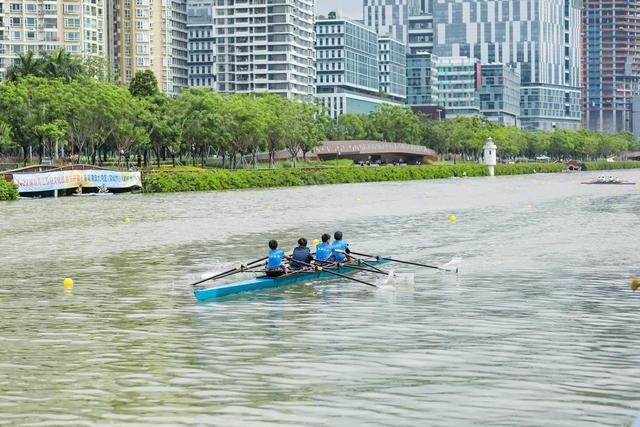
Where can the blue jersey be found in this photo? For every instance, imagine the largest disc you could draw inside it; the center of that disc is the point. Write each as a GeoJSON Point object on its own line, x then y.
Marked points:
{"type": "Point", "coordinates": [275, 259]}
{"type": "Point", "coordinates": [338, 248]}
{"type": "Point", "coordinates": [324, 251]}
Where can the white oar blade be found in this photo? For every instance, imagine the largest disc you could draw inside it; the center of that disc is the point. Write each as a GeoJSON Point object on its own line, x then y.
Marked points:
{"type": "Point", "coordinates": [453, 265]}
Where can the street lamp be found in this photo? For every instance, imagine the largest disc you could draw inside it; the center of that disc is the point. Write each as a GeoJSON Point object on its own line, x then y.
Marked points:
{"type": "Point", "coordinates": [337, 156]}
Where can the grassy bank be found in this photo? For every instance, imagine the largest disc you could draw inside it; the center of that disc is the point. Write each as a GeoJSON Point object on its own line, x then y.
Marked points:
{"type": "Point", "coordinates": [244, 179]}
{"type": "Point", "coordinates": [8, 190]}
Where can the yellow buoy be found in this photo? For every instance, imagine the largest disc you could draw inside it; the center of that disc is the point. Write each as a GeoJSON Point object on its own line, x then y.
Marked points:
{"type": "Point", "coordinates": [68, 283]}
{"type": "Point", "coordinates": [578, 199]}
{"type": "Point", "coordinates": [634, 283]}
{"type": "Point", "coordinates": [268, 207]}
{"type": "Point", "coordinates": [530, 206]}
{"type": "Point", "coordinates": [358, 199]}
{"type": "Point", "coordinates": [316, 242]}
{"type": "Point", "coordinates": [453, 219]}
{"type": "Point", "coordinates": [127, 220]}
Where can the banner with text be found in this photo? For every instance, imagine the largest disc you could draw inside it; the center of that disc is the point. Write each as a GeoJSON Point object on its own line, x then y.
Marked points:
{"type": "Point", "coordinates": [59, 180]}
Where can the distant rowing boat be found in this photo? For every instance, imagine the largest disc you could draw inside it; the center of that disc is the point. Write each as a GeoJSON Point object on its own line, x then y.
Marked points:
{"type": "Point", "coordinates": [264, 282]}
{"type": "Point", "coordinates": [92, 194]}
{"type": "Point", "coordinates": [609, 183]}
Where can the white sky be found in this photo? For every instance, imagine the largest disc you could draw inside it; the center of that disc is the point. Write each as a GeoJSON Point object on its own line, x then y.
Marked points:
{"type": "Point", "coordinates": [349, 8]}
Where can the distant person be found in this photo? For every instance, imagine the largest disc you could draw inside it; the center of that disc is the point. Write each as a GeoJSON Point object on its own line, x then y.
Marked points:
{"type": "Point", "coordinates": [301, 254]}
{"type": "Point", "coordinates": [324, 251]}
{"type": "Point", "coordinates": [103, 189]}
{"type": "Point", "coordinates": [340, 248]}
{"type": "Point", "coordinates": [275, 262]}
{"type": "Point", "coordinates": [79, 189]}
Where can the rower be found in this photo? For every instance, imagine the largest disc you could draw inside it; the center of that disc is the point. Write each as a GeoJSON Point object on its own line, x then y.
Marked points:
{"type": "Point", "coordinates": [103, 189]}
{"type": "Point", "coordinates": [324, 251]}
{"type": "Point", "coordinates": [340, 248]}
{"type": "Point", "coordinates": [302, 254]}
{"type": "Point", "coordinates": [275, 262]}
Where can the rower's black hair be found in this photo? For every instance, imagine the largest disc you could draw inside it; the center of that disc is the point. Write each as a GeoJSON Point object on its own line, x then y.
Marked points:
{"type": "Point", "coordinates": [302, 242]}
{"type": "Point", "coordinates": [273, 244]}
{"type": "Point", "coordinates": [337, 235]}
{"type": "Point", "coordinates": [325, 237]}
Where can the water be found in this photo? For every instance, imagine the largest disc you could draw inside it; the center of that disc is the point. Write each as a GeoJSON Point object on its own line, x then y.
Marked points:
{"type": "Point", "coordinates": [539, 328]}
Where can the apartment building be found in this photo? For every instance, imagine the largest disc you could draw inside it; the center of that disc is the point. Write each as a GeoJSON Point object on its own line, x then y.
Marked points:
{"type": "Point", "coordinates": [78, 26]}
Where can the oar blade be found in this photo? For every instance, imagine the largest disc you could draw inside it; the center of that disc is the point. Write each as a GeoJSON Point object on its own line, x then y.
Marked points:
{"type": "Point", "coordinates": [453, 265]}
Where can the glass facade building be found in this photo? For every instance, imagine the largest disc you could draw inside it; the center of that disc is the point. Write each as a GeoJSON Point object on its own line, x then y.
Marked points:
{"type": "Point", "coordinates": [455, 85]}
{"type": "Point", "coordinates": [390, 17]}
{"type": "Point", "coordinates": [500, 94]}
{"type": "Point", "coordinates": [611, 62]}
{"type": "Point", "coordinates": [392, 57]}
{"type": "Point", "coordinates": [201, 44]}
{"type": "Point", "coordinates": [420, 48]}
{"type": "Point", "coordinates": [348, 72]}
{"type": "Point", "coordinates": [538, 38]}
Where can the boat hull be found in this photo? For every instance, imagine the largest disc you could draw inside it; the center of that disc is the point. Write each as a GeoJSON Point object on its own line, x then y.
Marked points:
{"type": "Point", "coordinates": [260, 283]}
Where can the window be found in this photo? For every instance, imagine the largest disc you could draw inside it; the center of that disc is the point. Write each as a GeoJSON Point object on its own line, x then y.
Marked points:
{"type": "Point", "coordinates": [30, 22]}
{"type": "Point", "coordinates": [71, 8]}
{"type": "Point", "coordinates": [140, 62]}
{"type": "Point", "coordinates": [16, 7]}
{"type": "Point", "coordinates": [31, 8]}
{"type": "Point", "coordinates": [71, 35]}
{"type": "Point", "coordinates": [16, 21]}
{"type": "Point", "coordinates": [72, 22]}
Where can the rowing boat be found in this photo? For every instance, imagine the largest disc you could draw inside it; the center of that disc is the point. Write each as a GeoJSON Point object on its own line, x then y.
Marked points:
{"type": "Point", "coordinates": [264, 282]}
{"type": "Point", "coordinates": [609, 183]}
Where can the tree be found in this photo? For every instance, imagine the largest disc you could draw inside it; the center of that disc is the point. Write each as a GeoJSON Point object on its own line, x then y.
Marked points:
{"type": "Point", "coordinates": [350, 127]}
{"type": "Point", "coordinates": [27, 64]}
{"type": "Point", "coordinates": [60, 64]}
{"type": "Point", "coordinates": [143, 84]}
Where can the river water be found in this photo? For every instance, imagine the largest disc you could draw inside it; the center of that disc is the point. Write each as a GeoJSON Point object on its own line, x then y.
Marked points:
{"type": "Point", "coordinates": [540, 327]}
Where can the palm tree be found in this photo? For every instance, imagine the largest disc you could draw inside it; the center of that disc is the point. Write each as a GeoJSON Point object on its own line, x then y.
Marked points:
{"type": "Point", "coordinates": [61, 64]}
{"type": "Point", "coordinates": [26, 64]}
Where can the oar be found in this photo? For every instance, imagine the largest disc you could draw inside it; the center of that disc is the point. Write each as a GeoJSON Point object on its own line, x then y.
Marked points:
{"type": "Point", "coordinates": [355, 267]}
{"type": "Point", "coordinates": [403, 262]}
{"type": "Point", "coordinates": [344, 276]}
{"type": "Point", "coordinates": [238, 269]}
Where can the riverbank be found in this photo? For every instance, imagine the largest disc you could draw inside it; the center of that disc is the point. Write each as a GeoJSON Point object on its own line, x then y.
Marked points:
{"type": "Point", "coordinates": [219, 180]}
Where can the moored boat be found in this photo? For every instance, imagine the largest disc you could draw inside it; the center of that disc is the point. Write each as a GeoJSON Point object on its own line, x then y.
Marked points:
{"type": "Point", "coordinates": [264, 282]}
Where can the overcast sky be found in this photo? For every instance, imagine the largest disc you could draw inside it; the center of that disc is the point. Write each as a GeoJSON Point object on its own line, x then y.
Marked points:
{"type": "Point", "coordinates": [350, 8]}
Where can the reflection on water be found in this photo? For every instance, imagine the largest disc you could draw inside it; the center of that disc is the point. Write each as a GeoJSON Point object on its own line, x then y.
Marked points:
{"type": "Point", "coordinates": [539, 328]}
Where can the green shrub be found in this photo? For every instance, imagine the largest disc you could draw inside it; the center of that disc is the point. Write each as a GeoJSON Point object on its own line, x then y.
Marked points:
{"type": "Point", "coordinates": [602, 165]}
{"type": "Point", "coordinates": [217, 180]}
{"type": "Point", "coordinates": [8, 190]}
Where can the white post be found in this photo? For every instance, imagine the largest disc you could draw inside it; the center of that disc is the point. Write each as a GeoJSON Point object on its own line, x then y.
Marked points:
{"type": "Point", "coordinates": [490, 157]}
{"type": "Point", "coordinates": [55, 193]}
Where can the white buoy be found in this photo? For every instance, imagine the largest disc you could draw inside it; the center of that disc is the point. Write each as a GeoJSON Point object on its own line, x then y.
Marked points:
{"type": "Point", "coordinates": [490, 156]}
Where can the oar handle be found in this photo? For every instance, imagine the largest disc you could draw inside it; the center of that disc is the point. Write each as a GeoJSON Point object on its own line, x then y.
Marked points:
{"type": "Point", "coordinates": [236, 270]}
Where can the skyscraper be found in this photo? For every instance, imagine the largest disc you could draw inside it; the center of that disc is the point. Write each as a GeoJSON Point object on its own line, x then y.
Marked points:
{"type": "Point", "coordinates": [201, 43]}
{"type": "Point", "coordinates": [348, 66]}
{"type": "Point", "coordinates": [391, 17]}
{"type": "Point", "coordinates": [539, 39]}
{"type": "Point", "coordinates": [392, 58]}
{"type": "Point", "coordinates": [264, 47]}
{"type": "Point", "coordinates": [40, 25]}
{"type": "Point", "coordinates": [611, 62]}
{"type": "Point", "coordinates": [151, 35]}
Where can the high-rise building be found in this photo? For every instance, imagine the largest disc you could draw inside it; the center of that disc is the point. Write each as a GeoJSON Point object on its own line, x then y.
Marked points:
{"type": "Point", "coordinates": [152, 35]}
{"type": "Point", "coordinates": [392, 16]}
{"type": "Point", "coordinates": [455, 85]}
{"type": "Point", "coordinates": [201, 44]}
{"type": "Point", "coordinates": [264, 47]}
{"type": "Point", "coordinates": [611, 62]}
{"type": "Point", "coordinates": [540, 39]}
{"type": "Point", "coordinates": [78, 26]}
{"type": "Point", "coordinates": [420, 48]}
{"type": "Point", "coordinates": [392, 59]}
{"type": "Point", "coordinates": [500, 94]}
{"type": "Point", "coordinates": [348, 78]}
